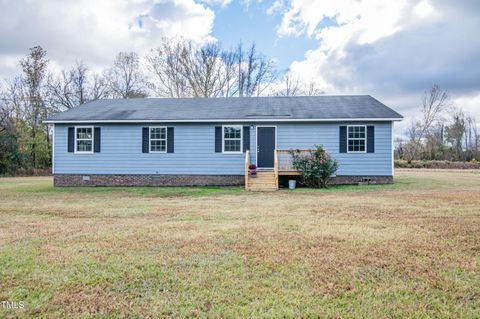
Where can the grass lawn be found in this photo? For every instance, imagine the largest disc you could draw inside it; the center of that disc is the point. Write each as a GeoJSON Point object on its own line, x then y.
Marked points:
{"type": "Point", "coordinates": [411, 249]}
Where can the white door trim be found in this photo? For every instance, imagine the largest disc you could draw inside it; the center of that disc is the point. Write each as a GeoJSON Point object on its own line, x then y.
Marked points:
{"type": "Point", "coordinates": [256, 142]}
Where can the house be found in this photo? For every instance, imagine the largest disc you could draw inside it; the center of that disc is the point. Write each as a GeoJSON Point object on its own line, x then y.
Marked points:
{"type": "Point", "coordinates": [202, 141]}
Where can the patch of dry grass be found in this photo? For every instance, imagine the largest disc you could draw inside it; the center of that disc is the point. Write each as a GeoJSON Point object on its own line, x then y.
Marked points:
{"type": "Point", "coordinates": [405, 250]}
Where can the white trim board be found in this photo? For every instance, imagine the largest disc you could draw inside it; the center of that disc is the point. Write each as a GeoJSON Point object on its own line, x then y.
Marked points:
{"type": "Point", "coordinates": [225, 120]}
{"type": "Point", "coordinates": [393, 151]}
{"type": "Point", "coordinates": [53, 149]}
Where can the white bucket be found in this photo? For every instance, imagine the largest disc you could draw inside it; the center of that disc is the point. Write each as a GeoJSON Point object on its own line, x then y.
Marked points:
{"type": "Point", "coordinates": [292, 184]}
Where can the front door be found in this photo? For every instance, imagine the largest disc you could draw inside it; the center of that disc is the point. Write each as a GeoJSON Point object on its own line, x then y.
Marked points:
{"type": "Point", "coordinates": [265, 146]}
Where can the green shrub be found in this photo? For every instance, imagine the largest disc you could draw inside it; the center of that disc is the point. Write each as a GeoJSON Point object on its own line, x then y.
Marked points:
{"type": "Point", "coordinates": [316, 165]}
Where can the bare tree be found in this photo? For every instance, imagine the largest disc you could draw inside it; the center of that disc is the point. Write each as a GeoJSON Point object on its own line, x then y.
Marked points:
{"type": "Point", "coordinates": [167, 69]}
{"type": "Point", "coordinates": [293, 86]}
{"type": "Point", "coordinates": [475, 137]}
{"type": "Point", "coordinates": [75, 87]}
{"type": "Point", "coordinates": [255, 73]}
{"type": "Point", "coordinates": [414, 146]}
{"type": "Point", "coordinates": [98, 87]}
{"type": "Point", "coordinates": [399, 150]}
{"type": "Point", "coordinates": [204, 70]}
{"type": "Point", "coordinates": [229, 78]}
{"type": "Point", "coordinates": [471, 136]}
{"type": "Point", "coordinates": [125, 78]}
{"type": "Point", "coordinates": [312, 89]}
{"type": "Point", "coordinates": [456, 131]}
{"type": "Point", "coordinates": [434, 104]}
{"type": "Point", "coordinates": [181, 70]}
{"type": "Point", "coordinates": [290, 86]}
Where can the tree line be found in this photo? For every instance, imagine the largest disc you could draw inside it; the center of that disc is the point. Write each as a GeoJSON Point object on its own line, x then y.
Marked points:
{"type": "Point", "coordinates": [174, 69]}
{"type": "Point", "coordinates": [443, 131]}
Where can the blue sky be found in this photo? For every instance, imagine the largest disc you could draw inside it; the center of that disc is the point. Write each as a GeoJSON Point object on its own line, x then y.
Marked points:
{"type": "Point", "coordinates": [393, 50]}
{"type": "Point", "coordinates": [251, 24]}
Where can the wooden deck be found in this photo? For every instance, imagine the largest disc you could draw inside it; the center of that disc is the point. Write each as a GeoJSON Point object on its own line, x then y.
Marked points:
{"type": "Point", "coordinates": [289, 173]}
{"type": "Point", "coordinates": [267, 180]}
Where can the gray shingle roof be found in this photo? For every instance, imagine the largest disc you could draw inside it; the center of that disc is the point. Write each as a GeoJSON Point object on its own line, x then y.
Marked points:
{"type": "Point", "coordinates": [345, 107]}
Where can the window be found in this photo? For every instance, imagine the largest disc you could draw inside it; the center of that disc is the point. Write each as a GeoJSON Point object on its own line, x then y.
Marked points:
{"type": "Point", "coordinates": [232, 139]}
{"type": "Point", "coordinates": [356, 139]}
{"type": "Point", "coordinates": [158, 139]}
{"type": "Point", "coordinates": [83, 139]}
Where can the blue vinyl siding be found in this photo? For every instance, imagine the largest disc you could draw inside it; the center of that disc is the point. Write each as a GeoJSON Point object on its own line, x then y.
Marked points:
{"type": "Point", "coordinates": [327, 134]}
{"type": "Point", "coordinates": [121, 150]}
{"type": "Point", "coordinates": [122, 153]}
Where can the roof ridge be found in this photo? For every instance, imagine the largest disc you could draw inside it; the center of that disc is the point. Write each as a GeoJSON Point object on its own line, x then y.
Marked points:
{"type": "Point", "coordinates": [230, 97]}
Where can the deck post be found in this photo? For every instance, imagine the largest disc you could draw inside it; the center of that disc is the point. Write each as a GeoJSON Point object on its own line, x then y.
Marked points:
{"type": "Point", "coordinates": [275, 166]}
{"type": "Point", "coordinates": [247, 170]}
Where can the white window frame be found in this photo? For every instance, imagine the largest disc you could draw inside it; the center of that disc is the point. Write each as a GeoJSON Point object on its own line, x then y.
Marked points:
{"type": "Point", "coordinates": [157, 139]}
{"type": "Point", "coordinates": [241, 139]}
{"type": "Point", "coordinates": [75, 151]}
{"type": "Point", "coordinates": [354, 138]}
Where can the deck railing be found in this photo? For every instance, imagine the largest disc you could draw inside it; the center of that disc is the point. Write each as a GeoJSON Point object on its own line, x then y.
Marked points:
{"type": "Point", "coordinates": [282, 164]}
{"type": "Point", "coordinates": [247, 169]}
{"type": "Point", "coordinates": [285, 161]}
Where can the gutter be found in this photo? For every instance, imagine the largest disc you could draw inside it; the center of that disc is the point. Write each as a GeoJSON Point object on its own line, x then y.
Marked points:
{"type": "Point", "coordinates": [225, 120]}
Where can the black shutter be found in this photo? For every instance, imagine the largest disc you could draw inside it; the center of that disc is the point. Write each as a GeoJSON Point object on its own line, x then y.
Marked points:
{"type": "Point", "coordinates": [97, 138]}
{"type": "Point", "coordinates": [71, 139]}
{"type": "Point", "coordinates": [218, 139]}
{"type": "Point", "coordinates": [343, 139]}
{"type": "Point", "coordinates": [370, 139]}
{"type": "Point", "coordinates": [145, 140]}
{"type": "Point", "coordinates": [246, 138]}
{"type": "Point", "coordinates": [170, 139]}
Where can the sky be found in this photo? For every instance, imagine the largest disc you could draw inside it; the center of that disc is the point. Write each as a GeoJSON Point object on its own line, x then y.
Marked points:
{"type": "Point", "coordinates": [392, 50]}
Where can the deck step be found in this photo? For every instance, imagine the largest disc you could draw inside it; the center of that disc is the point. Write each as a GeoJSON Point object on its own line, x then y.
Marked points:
{"type": "Point", "coordinates": [271, 185]}
{"type": "Point", "coordinates": [261, 179]}
{"type": "Point", "coordinates": [263, 185]}
{"type": "Point", "coordinates": [274, 189]}
{"type": "Point", "coordinates": [263, 176]}
{"type": "Point", "coordinates": [264, 181]}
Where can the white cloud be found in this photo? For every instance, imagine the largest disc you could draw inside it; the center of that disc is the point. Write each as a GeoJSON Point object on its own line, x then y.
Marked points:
{"type": "Point", "coordinates": [337, 25]}
{"type": "Point", "coordinates": [94, 31]}
{"type": "Point", "coordinates": [221, 3]}
{"type": "Point", "coordinates": [423, 9]}
{"type": "Point", "coordinates": [366, 19]}
{"type": "Point", "coordinates": [469, 103]}
{"type": "Point", "coordinates": [393, 50]}
{"type": "Point", "coordinates": [275, 7]}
